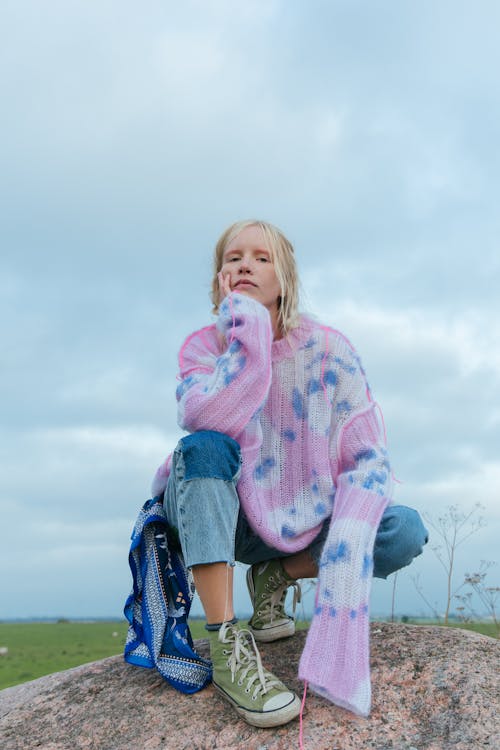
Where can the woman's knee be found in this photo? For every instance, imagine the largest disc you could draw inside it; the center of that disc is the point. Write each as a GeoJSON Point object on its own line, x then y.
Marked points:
{"type": "Point", "coordinates": [401, 537]}
{"type": "Point", "coordinates": [210, 454]}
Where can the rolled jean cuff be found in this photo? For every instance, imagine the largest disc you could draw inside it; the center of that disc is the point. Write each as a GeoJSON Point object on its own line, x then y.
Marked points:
{"type": "Point", "coordinates": [401, 536]}
{"type": "Point", "coordinates": [201, 502]}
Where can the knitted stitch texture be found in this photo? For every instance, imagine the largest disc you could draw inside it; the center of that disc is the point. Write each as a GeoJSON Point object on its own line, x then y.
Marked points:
{"type": "Point", "coordinates": [312, 449]}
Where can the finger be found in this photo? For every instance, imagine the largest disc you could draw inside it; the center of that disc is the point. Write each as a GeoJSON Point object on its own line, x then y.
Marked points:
{"type": "Point", "coordinates": [223, 292]}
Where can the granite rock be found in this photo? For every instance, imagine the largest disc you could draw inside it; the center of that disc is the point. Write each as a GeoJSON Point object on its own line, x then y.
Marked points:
{"type": "Point", "coordinates": [433, 689]}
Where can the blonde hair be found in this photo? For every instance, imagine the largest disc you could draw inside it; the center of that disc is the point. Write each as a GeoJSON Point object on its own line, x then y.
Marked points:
{"type": "Point", "coordinates": [283, 259]}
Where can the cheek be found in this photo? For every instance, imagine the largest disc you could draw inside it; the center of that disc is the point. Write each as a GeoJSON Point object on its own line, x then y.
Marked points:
{"type": "Point", "coordinates": [274, 283]}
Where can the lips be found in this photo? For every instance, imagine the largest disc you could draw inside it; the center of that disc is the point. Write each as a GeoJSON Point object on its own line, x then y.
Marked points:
{"type": "Point", "coordinates": [244, 282]}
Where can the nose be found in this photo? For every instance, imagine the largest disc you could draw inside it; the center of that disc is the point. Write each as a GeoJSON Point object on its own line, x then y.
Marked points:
{"type": "Point", "coordinates": [245, 266]}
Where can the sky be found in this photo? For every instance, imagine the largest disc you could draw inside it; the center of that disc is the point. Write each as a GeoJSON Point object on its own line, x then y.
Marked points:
{"type": "Point", "coordinates": [131, 136]}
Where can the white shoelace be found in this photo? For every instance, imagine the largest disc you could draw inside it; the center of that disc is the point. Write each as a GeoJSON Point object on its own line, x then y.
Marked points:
{"type": "Point", "coordinates": [244, 658]}
{"type": "Point", "coordinates": [272, 600]}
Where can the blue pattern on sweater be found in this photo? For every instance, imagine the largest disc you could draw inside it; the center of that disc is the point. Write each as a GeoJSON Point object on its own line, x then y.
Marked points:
{"type": "Point", "coordinates": [366, 570]}
{"type": "Point", "coordinates": [366, 455]}
{"type": "Point", "coordinates": [339, 552]}
{"type": "Point", "coordinates": [343, 406]}
{"type": "Point", "coordinates": [350, 369]}
{"type": "Point", "coordinates": [298, 404]}
{"type": "Point", "coordinates": [374, 478]}
{"type": "Point", "coordinates": [330, 377]}
{"type": "Point", "coordinates": [184, 386]}
{"type": "Point", "coordinates": [313, 386]}
{"type": "Point", "coordinates": [262, 470]}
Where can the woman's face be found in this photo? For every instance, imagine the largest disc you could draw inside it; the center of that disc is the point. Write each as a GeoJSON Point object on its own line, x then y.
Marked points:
{"type": "Point", "coordinates": [248, 266]}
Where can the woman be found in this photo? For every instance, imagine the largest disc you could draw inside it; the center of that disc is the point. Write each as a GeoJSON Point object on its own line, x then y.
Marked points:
{"type": "Point", "coordinates": [285, 468]}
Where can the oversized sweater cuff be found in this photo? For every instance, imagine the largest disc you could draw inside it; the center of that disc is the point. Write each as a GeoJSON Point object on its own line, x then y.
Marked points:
{"type": "Point", "coordinates": [238, 310]}
{"type": "Point", "coordinates": [335, 660]}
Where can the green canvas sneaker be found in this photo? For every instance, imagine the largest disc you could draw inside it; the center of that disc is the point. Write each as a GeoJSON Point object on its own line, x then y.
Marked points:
{"type": "Point", "coordinates": [267, 585]}
{"type": "Point", "coordinates": [238, 675]}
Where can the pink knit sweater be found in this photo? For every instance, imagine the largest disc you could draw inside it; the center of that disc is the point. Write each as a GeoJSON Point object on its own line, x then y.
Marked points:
{"type": "Point", "coordinates": [313, 449]}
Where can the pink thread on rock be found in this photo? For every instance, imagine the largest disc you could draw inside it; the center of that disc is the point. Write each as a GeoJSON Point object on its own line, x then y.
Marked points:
{"type": "Point", "coordinates": [301, 717]}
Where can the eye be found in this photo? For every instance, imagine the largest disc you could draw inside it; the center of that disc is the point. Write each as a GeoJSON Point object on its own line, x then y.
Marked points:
{"type": "Point", "coordinates": [263, 259]}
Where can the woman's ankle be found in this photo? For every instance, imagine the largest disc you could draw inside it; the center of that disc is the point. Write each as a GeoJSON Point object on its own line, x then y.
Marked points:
{"type": "Point", "coordinates": [214, 626]}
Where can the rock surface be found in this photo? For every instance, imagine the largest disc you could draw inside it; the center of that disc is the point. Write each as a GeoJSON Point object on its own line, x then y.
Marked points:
{"type": "Point", "coordinates": [433, 689]}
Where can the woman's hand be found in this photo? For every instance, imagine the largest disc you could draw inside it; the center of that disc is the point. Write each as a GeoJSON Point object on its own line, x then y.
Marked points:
{"type": "Point", "coordinates": [224, 285]}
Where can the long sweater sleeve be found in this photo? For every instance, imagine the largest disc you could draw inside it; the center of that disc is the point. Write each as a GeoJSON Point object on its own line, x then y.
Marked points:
{"type": "Point", "coordinates": [224, 373]}
{"type": "Point", "coordinates": [222, 390]}
{"type": "Point", "coordinates": [341, 617]}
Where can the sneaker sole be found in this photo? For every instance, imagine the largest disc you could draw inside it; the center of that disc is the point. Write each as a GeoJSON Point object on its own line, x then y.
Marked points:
{"type": "Point", "coordinates": [268, 635]}
{"type": "Point", "coordinates": [264, 719]}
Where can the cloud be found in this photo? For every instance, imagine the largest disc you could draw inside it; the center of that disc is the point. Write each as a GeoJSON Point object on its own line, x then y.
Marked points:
{"type": "Point", "coordinates": [464, 339]}
{"type": "Point", "coordinates": [437, 377]}
{"type": "Point", "coordinates": [132, 138]}
{"type": "Point", "coordinates": [481, 484]}
{"type": "Point", "coordinates": [83, 473]}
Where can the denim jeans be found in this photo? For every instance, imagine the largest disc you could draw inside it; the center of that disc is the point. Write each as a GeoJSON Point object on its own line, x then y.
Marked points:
{"type": "Point", "coordinates": [203, 509]}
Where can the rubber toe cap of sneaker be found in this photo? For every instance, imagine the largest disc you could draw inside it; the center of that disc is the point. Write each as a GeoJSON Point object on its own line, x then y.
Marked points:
{"type": "Point", "coordinates": [279, 701]}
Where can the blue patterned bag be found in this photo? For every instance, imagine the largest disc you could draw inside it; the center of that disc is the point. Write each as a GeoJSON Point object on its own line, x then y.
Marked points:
{"type": "Point", "coordinates": [158, 606]}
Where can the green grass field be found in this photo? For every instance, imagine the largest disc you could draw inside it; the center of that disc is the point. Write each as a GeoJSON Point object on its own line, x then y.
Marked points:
{"type": "Point", "coordinates": [38, 648]}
